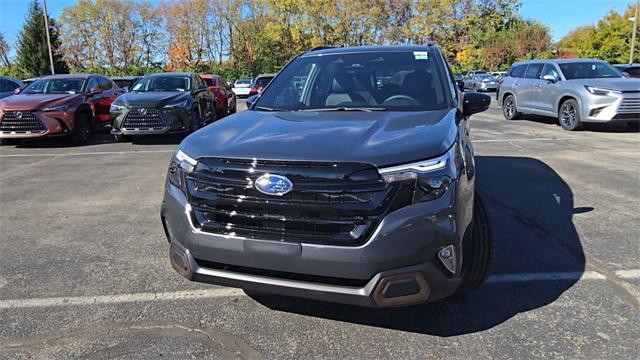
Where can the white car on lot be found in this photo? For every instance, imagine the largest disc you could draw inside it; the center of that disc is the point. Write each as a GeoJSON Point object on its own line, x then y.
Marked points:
{"type": "Point", "coordinates": [242, 87]}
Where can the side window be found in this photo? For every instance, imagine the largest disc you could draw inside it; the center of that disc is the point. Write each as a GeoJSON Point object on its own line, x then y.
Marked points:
{"type": "Point", "coordinates": [92, 83]}
{"type": "Point", "coordinates": [518, 71]}
{"type": "Point", "coordinates": [104, 83]}
{"type": "Point", "coordinates": [199, 84]}
{"type": "Point", "coordinates": [550, 70]}
{"type": "Point", "coordinates": [533, 71]}
{"type": "Point", "coordinates": [5, 86]}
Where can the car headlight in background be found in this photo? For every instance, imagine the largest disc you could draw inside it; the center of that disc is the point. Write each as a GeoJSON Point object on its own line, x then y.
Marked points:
{"type": "Point", "coordinates": [600, 91]}
{"type": "Point", "coordinates": [181, 164]}
{"type": "Point", "coordinates": [181, 104]}
{"type": "Point", "coordinates": [56, 108]}
{"type": "Point", "coordinates": [117, 107]}
{"type": "Point", "coordinates": [431, 177]}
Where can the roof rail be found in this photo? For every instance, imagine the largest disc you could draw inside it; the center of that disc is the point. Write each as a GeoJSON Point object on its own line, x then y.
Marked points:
{"type": "Point", "coordinates": [322, 47]}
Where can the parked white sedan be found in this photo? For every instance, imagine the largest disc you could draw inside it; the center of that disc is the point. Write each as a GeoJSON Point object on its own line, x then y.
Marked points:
{"type": "Point", "coordinates": [242, 87]}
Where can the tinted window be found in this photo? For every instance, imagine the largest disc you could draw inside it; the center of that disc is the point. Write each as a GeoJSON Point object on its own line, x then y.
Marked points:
{"type": "Point", "coordinates": [163, 83]}
{"type": "Point", "coordinates": [633, 71]}
{"type": "Point", "coordinates": [55, 86]}
{"type": "Point", "coordinates": [550, 70]}
{"type": "Point", "coordinates": [92, 84]}
{"type": "Point", "coordinates": [412, 81]}
{"type": "Point", "coordinates": [200, 84]}
{"type": "Point", "coordinates": [533, 71]}
{"type": "Point", "coordinates": [517, 71]}
{"type": "Point", "coordinates": [7, 86]}
{"type": "Point", "coordinates": [124, 83]}
{"type": "Point", "coordinates": [209, 82]}
{"type": "Point", "coordinates": [589, 70]}
{"type": "Point", "coordinates": [262, 81]}
{"type": "Point", "coordinates": [104, 83]}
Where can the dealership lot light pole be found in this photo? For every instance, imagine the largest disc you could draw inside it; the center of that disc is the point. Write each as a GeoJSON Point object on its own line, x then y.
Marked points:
{"type": "Point", "coordinates": [633, 35]}
{"type": "Point", "coordinates": [46, 25]}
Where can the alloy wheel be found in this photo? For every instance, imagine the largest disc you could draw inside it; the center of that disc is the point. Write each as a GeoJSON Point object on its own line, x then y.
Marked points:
{"type": "Point", "coordinates": [568, 114]}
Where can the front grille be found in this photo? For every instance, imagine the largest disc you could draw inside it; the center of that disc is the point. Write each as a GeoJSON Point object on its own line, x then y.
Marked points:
{"type": "Point", "coordinates": [331, 203]}
{"type": "Point", "coordinates": [140, 118]}
{"type": "Point", "coordinates": [24, 122]}
{"type": "Point", "coordinates": [629, 105]}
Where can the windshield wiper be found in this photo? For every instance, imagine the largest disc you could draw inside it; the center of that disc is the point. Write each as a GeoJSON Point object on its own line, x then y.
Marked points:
{"type": "Point", "coordinates": [366, 109]}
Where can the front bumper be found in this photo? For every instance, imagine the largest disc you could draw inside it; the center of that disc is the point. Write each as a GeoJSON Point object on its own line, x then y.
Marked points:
{"type": "Point", "coordinates": [164, 121]}
{"type": "Point", "coordinates": [398, 265]}
{"type": "Point", "coordinates": [54, 123]}
{"type": "Point", "coordinates": [489, 87]}
{"type": "Point", "coordinates": [612, 107]}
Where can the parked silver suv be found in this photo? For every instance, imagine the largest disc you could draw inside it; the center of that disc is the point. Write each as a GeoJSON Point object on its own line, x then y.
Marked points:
{"type": "Point", "coordinates": [575, 91]}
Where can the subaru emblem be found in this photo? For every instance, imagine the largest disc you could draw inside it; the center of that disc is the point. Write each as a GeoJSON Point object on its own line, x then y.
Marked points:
{"type": "Point", "coordinates": [19, 115]}
{"type": "Point", "coordinates": [142, 111]}
{"type": "Point", "coordinates": [271, 184]}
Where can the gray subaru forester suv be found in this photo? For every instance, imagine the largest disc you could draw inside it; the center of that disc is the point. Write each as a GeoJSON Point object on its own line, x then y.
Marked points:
{"type": "Point", "coordinates": [576, 91]}
{"type": "Point", "coordinates": [349, 179]}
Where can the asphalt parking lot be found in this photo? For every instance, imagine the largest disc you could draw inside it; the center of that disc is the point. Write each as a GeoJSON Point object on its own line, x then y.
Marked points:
{"type": "Point", "coordinates": [85, 272]}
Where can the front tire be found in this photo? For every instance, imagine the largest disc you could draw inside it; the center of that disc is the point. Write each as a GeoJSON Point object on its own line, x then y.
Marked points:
{"type": "Point", "coordinates": [477, 248]}
{"type": "Point", "coordinates": [569, 115]}
{"type": "Point", "coordinates": [509, 108]}
{"type": "Point", "coordinates": [82, 128]}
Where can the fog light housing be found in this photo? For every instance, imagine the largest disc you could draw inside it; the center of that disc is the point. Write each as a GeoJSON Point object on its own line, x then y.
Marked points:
{"type": "Point", "coordinates": [447, 256]}
{"type": "Point", "coordinates": [180, 262]}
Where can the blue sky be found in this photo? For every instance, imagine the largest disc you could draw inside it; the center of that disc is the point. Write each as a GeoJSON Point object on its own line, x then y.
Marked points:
{"type": "Point", "coordinates": [559, 15]}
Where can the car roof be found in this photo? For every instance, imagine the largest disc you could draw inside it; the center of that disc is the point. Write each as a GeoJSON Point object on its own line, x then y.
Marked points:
{"type": "Point", "coordinates": [367, 48]}
{"type": "Point", "coordinates": [556, 61]}
{"type": "Point", "coordinates": [209, 76]}
{"type": "Point", "coordinates": [125, 77]}
{"type": "Point", "coordinates": [266, 75]}
{"type": "Point", "coordinates": [170, 74]}
{"type": "Point", "coordinates": [68, 76]}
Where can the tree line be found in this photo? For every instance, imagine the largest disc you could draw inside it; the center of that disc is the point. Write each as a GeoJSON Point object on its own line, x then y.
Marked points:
{"type": "Point", "coordinates": [247, 37]}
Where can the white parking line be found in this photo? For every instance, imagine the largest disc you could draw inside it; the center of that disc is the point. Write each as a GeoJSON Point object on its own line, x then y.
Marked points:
{"type": "Point", "coordinates": [120, 298]}
{"type": "Point", "coordinates": [89, 153]}
{"type": "Point", "coordinates": [531, 277]}
{"type": "Point", "coordinates": [232, 292]}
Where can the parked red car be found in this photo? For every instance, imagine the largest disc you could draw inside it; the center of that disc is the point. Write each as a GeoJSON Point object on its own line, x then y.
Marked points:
{"type": "Point", "coordinates": [71, 104]}
{"type": "Point", "coordinates": [225, 97]}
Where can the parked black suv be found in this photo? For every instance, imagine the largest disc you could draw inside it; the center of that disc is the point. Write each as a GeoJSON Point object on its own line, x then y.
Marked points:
{"type": "Point", "coordinates": [162, 103]}
{"type": "Point", "coordinates": [350, 179]}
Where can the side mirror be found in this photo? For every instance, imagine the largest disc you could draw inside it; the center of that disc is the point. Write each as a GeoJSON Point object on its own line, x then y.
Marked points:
{"type": "Point", "coordinates": [460, 84]}
{"type": "Point", "coordinates": [549, 78]}
{"type": "Point", "coordinates": [17, 90]}
{"type": "Point", "coordinates": [251, 100]}
{"type": "Point", "coordinates": [95, 90]}
{"type": "Point", "coordinates": [473, 103]}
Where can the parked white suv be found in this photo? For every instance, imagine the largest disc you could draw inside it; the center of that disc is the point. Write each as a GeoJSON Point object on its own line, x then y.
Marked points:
{"type": "Point", "coordinates": [575, 91]}
{"type": "Point", "coordinates": [241, 87]}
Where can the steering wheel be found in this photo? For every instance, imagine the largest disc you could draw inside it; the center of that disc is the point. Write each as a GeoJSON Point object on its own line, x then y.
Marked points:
{"type": "Point", "coordinates": [412, 101]}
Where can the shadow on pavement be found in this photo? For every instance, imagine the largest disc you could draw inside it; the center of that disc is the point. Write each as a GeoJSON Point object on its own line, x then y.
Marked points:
{"type": "Point", "coordinates": [612, 127]}
{"type": "Point", "coordinates": [531, 208]}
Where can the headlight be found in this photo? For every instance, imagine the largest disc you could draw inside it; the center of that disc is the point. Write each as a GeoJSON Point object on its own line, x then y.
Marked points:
{"type": "Point", "coordinates": [431, 178]}
{"type": "Point", "coordinates": [117, 107]}
{"type": "Point", "coordinates": [181, 164]}
{"type": "Point", "coordinates": [600, 91]}
{"type": "Point", "coordinates": [56, 108]}
{"type": "Point", "coordinates": [181, 104]}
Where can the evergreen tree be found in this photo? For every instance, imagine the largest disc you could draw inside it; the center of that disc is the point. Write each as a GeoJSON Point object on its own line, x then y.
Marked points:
{"type": "Point", "coordinates": [33, 53]}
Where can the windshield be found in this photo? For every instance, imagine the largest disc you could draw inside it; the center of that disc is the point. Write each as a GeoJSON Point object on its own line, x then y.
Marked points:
{"type": "Point", "coordinates": [124, 84]}
{"type": "Point", "coordinates": [243, 83]}
{"type": "Point", "coordinates": [408, 80]}
{"type": "Point", "coordinates": [589, 70]}
{"type": "Point", "coordinates": [55, 86]}
{"type": "Point", "coordinates": [486, 77]}
{"type": "Point", "coordinates": [163, 83]}
{"type": "Point", "coordinates": [207, 81]}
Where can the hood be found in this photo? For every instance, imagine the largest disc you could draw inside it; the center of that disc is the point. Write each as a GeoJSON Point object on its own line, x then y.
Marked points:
{"type": "Point", "coordinates": [152, 98]}
{"type": "Point", "coordinates": [378, 138]}
{"type": "Point", "coordinates": [36, 101]}
{"type": "Point", "coordinates": [622, 84]}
